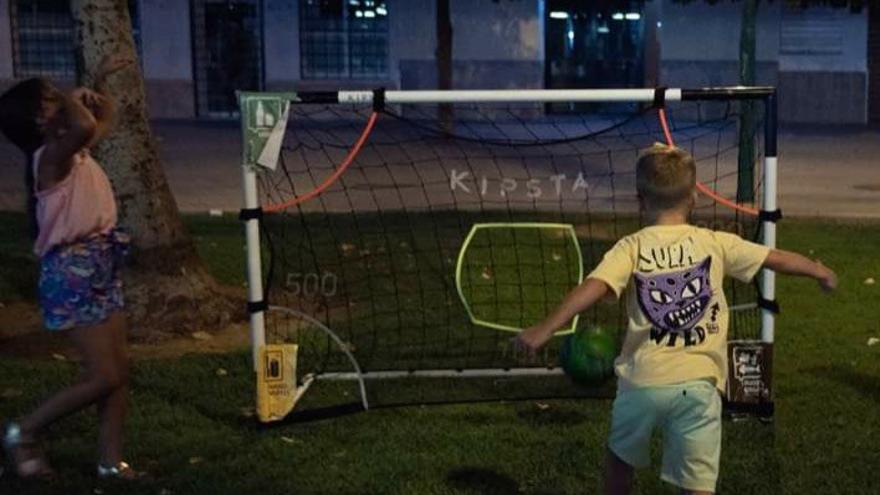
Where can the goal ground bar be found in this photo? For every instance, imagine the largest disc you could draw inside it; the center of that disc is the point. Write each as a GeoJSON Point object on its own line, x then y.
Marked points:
{"type": "Point", "coordinates": [448, 373]}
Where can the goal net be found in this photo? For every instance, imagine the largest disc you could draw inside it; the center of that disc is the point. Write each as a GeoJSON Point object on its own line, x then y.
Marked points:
{"type": "Point", "coordinates": [412, 234]}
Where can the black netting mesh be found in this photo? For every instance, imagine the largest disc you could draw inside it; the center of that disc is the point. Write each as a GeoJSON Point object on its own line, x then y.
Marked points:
{"type": "Point", "coordinates": [374, 256]}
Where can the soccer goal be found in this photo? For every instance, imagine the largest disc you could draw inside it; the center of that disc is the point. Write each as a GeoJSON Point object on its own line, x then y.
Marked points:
{"type": "Point", "coordinates": [397, 240]}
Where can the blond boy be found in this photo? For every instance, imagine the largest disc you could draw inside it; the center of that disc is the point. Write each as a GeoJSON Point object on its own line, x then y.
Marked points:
{"type": "Point", "coordinates": [672, 366]}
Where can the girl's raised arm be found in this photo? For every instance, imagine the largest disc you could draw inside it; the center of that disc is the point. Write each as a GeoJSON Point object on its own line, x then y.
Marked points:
{"type": "Point", "coordinates": [101, 102]}
{"type": "Point", "coordinates": [65, 139]}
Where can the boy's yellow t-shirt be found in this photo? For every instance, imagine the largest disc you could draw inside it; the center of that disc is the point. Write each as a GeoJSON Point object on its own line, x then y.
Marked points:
{"type": "Point", "coordinates": [672, 277]}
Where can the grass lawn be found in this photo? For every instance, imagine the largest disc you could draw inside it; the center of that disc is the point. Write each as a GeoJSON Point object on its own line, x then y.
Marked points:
{"type": "Point", "coordinates": [188, 429]}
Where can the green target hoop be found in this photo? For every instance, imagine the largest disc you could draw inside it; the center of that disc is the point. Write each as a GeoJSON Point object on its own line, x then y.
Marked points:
{"type": "Point", "coordinates": [511, 275]}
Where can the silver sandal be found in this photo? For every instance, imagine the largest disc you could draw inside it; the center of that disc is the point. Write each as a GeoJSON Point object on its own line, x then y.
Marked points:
{"type": "Point", "coordinates": [35, 465]}
{"type": "Point", "coordinates": [120, 471]}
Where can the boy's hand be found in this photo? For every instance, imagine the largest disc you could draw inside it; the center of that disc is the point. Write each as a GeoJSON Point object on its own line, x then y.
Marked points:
{"type": "Point", "coordinates": [826, 277]}
{"type": "Point", "coordinates": [530, 341]}
{"type": "Point", "coordinates": [579, 299]}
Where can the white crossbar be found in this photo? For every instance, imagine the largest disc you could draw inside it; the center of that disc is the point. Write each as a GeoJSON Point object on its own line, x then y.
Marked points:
{"type": "Point", "coordinates": [511, 96]}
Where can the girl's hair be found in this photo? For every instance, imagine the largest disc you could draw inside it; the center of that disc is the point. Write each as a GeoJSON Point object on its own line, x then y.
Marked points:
{"type": "Point", "coordinates": [20, 109]}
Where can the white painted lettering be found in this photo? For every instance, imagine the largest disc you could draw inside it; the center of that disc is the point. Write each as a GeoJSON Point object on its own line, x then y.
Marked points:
{"type": "Point", "coordinates": [507, 186]}
{"type": "Point", "coordinates": [580, 183]}
{"type": "Point", "coordinates": [533, 188]}
{"type": "Point", "coordinates": [457, 180]}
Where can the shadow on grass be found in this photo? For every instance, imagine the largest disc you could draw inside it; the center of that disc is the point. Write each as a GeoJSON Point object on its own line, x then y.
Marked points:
{"type": "Point", "coordinates": [482, 481]}
{"type": "Point", "coordinates": [18, 276]}
{"type": "Point", "coordinates": [865, 384]}
{"type": "Point", "coordinates": [316, 414]}
{"type": "Point", "coordinates": [550, 416]}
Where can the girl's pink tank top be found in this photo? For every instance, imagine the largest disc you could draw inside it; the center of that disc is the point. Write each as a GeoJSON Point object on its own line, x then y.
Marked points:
{"type": "Point", "coordinates": [76, 208]}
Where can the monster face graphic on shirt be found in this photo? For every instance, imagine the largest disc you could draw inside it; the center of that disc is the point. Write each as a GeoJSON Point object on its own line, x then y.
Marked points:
{"type": "Point", "coordinates": [674, 302]}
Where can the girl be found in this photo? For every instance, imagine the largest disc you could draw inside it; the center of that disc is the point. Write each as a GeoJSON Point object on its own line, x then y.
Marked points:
{"type": "Point", "coordinates": [80, 250]}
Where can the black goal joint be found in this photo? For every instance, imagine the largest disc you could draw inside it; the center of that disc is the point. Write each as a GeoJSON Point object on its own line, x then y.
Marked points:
{"type": "Point", "coordinates": [379, 100]}
{"type": "Point", "coordinates": [659, 97]}
{"type": "Point", "coordinates": [257, 306]}
{"type": "Point", "coordinates": [770, 216]}
{"type": "Point", "coordinates": [246, 214]}
{"type": "Point", "coordinates": [768, 304]}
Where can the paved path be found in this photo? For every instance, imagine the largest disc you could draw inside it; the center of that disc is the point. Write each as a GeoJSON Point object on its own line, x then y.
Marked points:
{"type": "Point", "coordinates": [827, 172]}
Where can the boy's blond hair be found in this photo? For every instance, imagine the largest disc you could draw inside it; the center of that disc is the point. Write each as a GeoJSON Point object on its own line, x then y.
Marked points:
{"type": "Point", "coordinates": [665, 177]}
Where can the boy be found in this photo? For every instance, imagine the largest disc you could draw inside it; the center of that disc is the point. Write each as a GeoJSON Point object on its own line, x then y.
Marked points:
{"type": "Point", "coordinates": [673, 362]}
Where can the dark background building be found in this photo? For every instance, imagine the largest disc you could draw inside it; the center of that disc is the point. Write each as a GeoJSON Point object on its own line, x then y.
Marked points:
{"type": "Point", "coordinates": [196, 52]}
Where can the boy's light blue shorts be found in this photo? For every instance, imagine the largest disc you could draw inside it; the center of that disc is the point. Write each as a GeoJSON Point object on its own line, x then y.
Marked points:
{"type": "Point", "coordinates": [689, 416]}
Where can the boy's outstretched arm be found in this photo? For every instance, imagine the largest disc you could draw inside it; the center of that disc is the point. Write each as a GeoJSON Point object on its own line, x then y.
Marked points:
{"type": "Point", "coordinates": [579, 299]}
{"type": "Point", "coordinates": [791, 263]}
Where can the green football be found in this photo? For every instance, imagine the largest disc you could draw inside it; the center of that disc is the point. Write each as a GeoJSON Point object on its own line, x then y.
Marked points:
{"type": "Point", "coordinates": [587, 356]}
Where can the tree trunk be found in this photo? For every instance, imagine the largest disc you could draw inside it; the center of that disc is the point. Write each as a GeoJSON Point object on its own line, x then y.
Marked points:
{"type": "Point", "coordinates": [745, 190]}
{"type": "Point", "coordinates": [168, 288]}
{"type": "Point", "coordinates": [444, 61]}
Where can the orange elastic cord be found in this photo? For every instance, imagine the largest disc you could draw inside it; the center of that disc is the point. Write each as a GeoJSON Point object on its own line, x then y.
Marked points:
{"type": "Point", "coordinates": [346, 162]}
{"type": "Point", "coordinates": [700, 186]}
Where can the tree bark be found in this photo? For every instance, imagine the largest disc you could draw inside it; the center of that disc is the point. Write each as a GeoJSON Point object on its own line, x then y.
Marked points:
{"type": "Point", "coordinates": [745, 191]}
{"type": "Point", "coordinates": [168, 288]}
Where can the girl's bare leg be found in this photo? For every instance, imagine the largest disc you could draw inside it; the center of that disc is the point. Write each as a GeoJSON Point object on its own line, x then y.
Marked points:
{"type": "Point", "coordinates": [112, 408]}
{"type": "Point", "coordinates": [103, 375]}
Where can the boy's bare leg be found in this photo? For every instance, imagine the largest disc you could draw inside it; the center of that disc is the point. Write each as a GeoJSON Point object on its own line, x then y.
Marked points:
{"type": "Point", "coordinates": [112, 408]}
{"type": "Point", "coordinates": [618, 475]}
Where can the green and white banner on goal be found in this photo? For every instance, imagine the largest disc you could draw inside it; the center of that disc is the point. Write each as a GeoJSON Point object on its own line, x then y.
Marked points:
{"type": "Point", "coordinates": [264, 118]}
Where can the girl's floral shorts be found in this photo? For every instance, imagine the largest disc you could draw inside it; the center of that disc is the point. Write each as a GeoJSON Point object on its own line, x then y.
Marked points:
{"type": "Point", "coordinates": [79, 282]}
